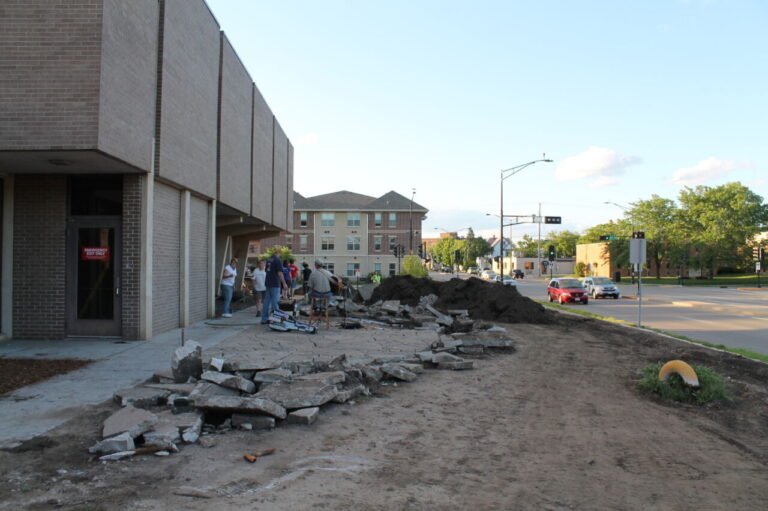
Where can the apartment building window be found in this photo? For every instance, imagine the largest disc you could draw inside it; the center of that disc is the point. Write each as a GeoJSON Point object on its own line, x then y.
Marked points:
{"type": "Point", "coordinates": [377, 219]}
{"type": "Point", "coordinates": [392, 220]}
{"type": "Point", "coordinates": [392, 242]}
{"type": "Point", "coordinates": [377, 243]}
{"type": "Point", "coordinates": [353, 242]}
{"type": "Point", "coordinates": [289, 241]}
{"type": "Point", "coordinates": [377, 268]}
{"type": "Point", "coordinates": [329, 266]}
{"type": "Point", "coordinates": [303, 242]}
{"type": "Point", "coordinates": [391, 269]}
{"type": "Point", "coordinates": [353, 219]}
{"type": "Point", "coordinates": [327, 219]}
{"type": "Point", "coordinates": [327, 243]}
{"type": "Point", "coordinates": [352, 268]}
{"type": "Point", "coordinates": [303, 219]}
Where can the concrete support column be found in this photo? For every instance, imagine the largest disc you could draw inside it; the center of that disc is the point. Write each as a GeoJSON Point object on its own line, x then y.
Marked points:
{"type": "Point", "coordinates": [147, 248]}
{"type": "Point", "coordinates": [6, 285]}
{"type": "Point", "coordinates": [213, 280]}
{"type": "Point", "coordinates": [186, 200]}
{"type": "Point", "coordinates": [240, 250]}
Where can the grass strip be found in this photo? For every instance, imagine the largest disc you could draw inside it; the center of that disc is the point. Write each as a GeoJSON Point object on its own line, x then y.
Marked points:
{"type": "Point", "coordinates": [737, 351]}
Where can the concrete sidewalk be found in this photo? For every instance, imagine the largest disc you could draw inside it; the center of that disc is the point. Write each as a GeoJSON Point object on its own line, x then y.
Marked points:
{"type": "Point", "coordinates": [35, 409]}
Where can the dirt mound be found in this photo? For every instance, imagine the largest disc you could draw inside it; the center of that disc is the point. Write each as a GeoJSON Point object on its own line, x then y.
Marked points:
{"type": "Point", "coordinates": [484, 300]}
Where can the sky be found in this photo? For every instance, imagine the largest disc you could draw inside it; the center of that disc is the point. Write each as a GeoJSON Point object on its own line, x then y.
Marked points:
{"type": "Point", "coordinates": [628, 98]}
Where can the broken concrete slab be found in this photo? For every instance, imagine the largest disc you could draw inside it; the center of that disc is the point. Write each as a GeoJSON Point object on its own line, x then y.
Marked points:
{"type": "Point", "coordinates": [458, 312]}
{"type": "Point", "coordinates": [163, 376]}
{"type": "Point", "coordinates": [328, 377]}
{"type": "Point", "coordinates": [256, 422]}
{"type": "Point", "coordinates": [207, 389]}
{"type": "Point", "coordinates": [425, 356]}
{"type": "Point", "coordinates": [241, 404]}
{"type": "Point", "coordinates": [346, 394]}
{"type": "Point", "coordinates": [444, 357]}
{"type": "Point", "coordinates": [272, 375]}
{"type": "Point", "coordinates": [472, 350]}
{"type": "Point", "coordinates": [440, 318]}
{"type": "Point", "coordinates": [391, 306]}
{"type": "Point", "coordinates": [119, 443]}
{"type": "Point", "coordinates": [248, 375]}
{"type": "Point", "coordinates": [414, 368]}
{"type": "Point", "coordinates": [371, 374]}
{"type": "Point", "coordinates": [230, 381]}
{"type": "Point", "coordinates": [182, 389]}
{"type": "Point", "coordinates": [117, 456]}
{"type": "Point", "coordinates": [141, 397]}
{"type": "Point", "coordinates": [338, 363]}
{"type": "Point", "coordinates": [427, 300]}
{"type": "Point", "coordinates": [216, 364]}
{"type": "Point", "coordinates": [129, 419]}
{"type": "Point", "coordinates": [187, 361]}
{"type": "Point", "coordinates": [398, 372]}
{"type": "Point", "coordinates": [304, 416]}
{"type": "Point", "coordinates": [299, 394]}
{"type": "Point", "coordinates": [246, 361]}
{"type": "Point", "coordinates": [163, 433]}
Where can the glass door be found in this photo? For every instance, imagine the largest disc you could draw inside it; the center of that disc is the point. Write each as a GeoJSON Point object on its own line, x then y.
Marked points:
{"type": "Point", "coordinates": [93, 284]}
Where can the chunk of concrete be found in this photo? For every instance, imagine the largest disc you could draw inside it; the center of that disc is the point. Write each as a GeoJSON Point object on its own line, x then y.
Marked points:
{"type": "Point", "coordinates": [440, 318]}
{"type": "Point", "coordinates": [163, 376]}
{"type": "Point", "coordinates": [398, 372]}
{"type": "Point", "coordinates": [117, 456]}
{"type": "Point", "coordinates": [230, 381]}
{"type": "Point", "coordinates": [190, 430]}
{"type": "Point", "coordinates": [129, 419]}
{"type": "Point", "coordinates": [253, 362]}
{"type": "Point", "coordinates": [304, 416]}
{"type": "Point", "coordinates": [442, 358]}
{"type": "Point", "coordinates": [458, 312]}
{"type": "Point", "coordinates": [472, 350]}
{"type": "Point", "coordinates": [414, 368]}
{"type": "Point", "coordinates": [391, 306]}
{"type": "Point", "coordinates": [119, 443]}
{"type": "Point", "coordinates": [338, 363]}
{"type": "Point", "coordinates": [182, 389]}
{"type": "Point", "coordinates": [272, 375]}
{"type": "Point", "coordinates": [141, 397]}
{"type": "Point", "coordinates": [163, 433]}
{"type": "Point", "coordinates": [256, 422]}
{"type": "Point", "coordinates": [346, 394]}
{"type": "Point", "coordinates": [216, 364]}
{"type": "Point", "coordinates": [241, 404]}
{"type": "Point", "coordinates": [328, 378]}
{"type": "Point", "coordinates": [426, 300]}
{"type": "Point", "coordinates": [299, 394]}
{"type": "Point", "coordinates": [187, 361]}
{"type": "Point", "coordinates": [208, 389]}
{"type": "Point", "coordinates": [371, 374]}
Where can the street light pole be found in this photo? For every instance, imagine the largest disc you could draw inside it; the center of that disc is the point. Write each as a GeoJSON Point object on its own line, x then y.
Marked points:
{"type": "Point", "coordinates": [410, 224]}
{"type": "Point", "coordinates": [512, 171]}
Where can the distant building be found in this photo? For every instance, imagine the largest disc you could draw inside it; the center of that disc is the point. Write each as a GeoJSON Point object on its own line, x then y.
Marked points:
{"type": "Point", "coordinates": [352, 233]}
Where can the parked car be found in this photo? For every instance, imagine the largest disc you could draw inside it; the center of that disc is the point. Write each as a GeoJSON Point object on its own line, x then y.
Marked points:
{"type": "Point", "coordinates": [567, 290]}
{"type": "Point", "coordinates": [518, 274]}
{"type": "Point", "coordinates": [473, 270]}
{"type": "Point", "coordinates": [487, 275]}
{"type": "Point", "coordinates": [508, 281]}
{"type": "Point", "coordinates": [598, 287]}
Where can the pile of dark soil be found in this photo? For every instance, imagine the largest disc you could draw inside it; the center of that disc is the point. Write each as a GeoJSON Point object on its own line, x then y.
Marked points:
{"type": "Point", "coordinates": [20, 372]}
{"type": "Point", "coordinates": [483, 300]}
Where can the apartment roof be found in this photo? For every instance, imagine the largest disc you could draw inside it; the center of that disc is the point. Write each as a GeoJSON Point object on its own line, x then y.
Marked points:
{"type": "Point", "coordinates": [349, 201]}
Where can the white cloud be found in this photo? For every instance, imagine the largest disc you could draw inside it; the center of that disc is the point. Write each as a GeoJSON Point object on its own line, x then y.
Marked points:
{"type": "Point", "coordinates": [307, 139]}
{"type": "Point", "coordinates": [706, 170]}
{"type": "Point", "coordinates": [598, 162]}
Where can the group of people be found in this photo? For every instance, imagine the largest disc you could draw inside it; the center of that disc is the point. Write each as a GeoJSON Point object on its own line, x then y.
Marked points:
{"type": "Point", "coordinates": [273, 278]}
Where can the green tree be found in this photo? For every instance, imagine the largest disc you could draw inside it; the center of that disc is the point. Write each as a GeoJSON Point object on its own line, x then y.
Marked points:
{"type": "Point", "coordinates": [528, 245]}
{"type": "Point", "coordinates": [412, 266]}
{"type": "Point", "coordinates": [718, 222]}
{"type": "Point", "coordinates": [564, 242]}
{"type": "Point", "coordinates": [659, 218]}
{"type": "Point", "coordinates": [617, 250]}
{"type": "Point", "coordinates": [474, 248]}
{"type": "Point", "coordinates": [282, 252]}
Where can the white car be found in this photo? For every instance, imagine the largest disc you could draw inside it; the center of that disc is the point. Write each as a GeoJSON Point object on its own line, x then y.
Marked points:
{"type": "Point", "coordinates": [508, 281]}
{"type": "Point", "coordinates": [488, 275]}
{"type": "Point", "coordinates": [600, 287]}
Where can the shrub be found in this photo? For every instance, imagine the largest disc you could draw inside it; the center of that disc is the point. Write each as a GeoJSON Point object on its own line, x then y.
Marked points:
{"type": "Point", "coordinates": [580, 269]}
{"type": "Point", "coordinates": [711, 385]}
{"type": "Point", "coordinates": [412, 266]}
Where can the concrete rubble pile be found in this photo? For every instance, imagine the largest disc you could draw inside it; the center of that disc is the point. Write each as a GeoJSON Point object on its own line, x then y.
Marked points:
{"type": "Point", "coordinates": [198, 398]}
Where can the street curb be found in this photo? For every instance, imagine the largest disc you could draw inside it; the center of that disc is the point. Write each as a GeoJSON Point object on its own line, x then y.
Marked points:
{"type": "Point", "coordinates": [713, 308]}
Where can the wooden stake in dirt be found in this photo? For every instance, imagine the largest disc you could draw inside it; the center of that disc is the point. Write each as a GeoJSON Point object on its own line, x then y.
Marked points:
{"type": "Point", "coordinates": [253, 457]}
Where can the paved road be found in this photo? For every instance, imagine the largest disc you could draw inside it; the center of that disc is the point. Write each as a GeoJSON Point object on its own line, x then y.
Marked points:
{"type": "Point", "coordinates": [729, 316]}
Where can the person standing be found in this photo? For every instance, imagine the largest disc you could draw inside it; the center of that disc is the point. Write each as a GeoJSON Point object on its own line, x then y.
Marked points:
{"type": "Point", "coordinates": [259, 286]}
{"type": "Point", "coordinates": [306, 271]}
{"type": "Point", "coordinates": [274, 281]}
{"type": "Point", "coordinates": [228, 286]}
{"type": "Point", "coordinates": [294, 276]}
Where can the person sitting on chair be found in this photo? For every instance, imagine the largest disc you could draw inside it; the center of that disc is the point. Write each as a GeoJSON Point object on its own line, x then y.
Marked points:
{"type": "Point", "coordinates": [319, 284]}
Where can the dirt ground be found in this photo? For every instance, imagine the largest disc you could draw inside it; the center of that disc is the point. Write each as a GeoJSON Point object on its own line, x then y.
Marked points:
{"type": "Point", "coordinates": [556, 425]}
{"type": "Point", "coordinates": [20, 372]}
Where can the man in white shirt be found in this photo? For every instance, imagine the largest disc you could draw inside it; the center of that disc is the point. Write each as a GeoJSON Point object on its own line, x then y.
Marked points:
{"type": "Point", "coordinates": [228, 286]}
{"type": "Point", "coordinates": [259, 285]}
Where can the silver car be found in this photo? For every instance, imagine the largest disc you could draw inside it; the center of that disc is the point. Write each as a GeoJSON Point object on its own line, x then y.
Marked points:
{"type": "Point", "coordinates": [601, 287]}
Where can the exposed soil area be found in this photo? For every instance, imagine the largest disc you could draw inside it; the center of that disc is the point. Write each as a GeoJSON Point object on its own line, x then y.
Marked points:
{"type": "Point", "coordinates": [483, 299]}
{"type": "Point", "coordinates": [558, 424]}
{"type": "Point", "coordinates": [20, 372]}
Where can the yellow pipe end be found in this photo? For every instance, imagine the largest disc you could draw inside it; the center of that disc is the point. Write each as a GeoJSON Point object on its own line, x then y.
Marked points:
{"type": "Point", "coordinates": [685, 371]}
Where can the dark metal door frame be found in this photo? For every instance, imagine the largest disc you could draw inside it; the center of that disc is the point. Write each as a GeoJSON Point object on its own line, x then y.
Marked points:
{"type": "Point", "coordinates": [92, 327]}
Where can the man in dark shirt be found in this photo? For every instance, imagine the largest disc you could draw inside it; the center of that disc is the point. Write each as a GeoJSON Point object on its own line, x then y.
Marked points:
{"type": "Point", "coordinates": [274, 282]}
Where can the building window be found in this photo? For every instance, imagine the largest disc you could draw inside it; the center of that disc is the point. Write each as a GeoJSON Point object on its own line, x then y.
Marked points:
{"type": "Point", "coordinates": [303, 242]}
{"type": "Point", "coordinates": [289, 241]}
{"type": "Point", "coordinates": [327, 219]}
{"type": "Point", "coordinates": [391, 269]}
{"type": "Point", "coordinates": [353, 219]}
{"type": "Point", "coordinates": [377, 243]}
{"type": "Point", "coordinates": [377, 219]}
{"type": "Point", "coordinates": [377, 268]}
{"type": "Point", "coordinates": [329, 266]}
{"type": "Point", "coordinates": [392, 242]}
{"type": "Point", "coordinates": [353, 242]}
{"type": "Point", "coordinates": [352, 268]}
{"type": "Point", "coordinates": [392, 220]}
{"type": "Point", "coordinates": [303, 219]}
{"type": "Point", "coordinates": [327, 243]}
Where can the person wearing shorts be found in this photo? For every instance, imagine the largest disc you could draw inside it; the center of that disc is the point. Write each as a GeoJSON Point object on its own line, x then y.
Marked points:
{"type": "Point", "coordinates": [259, 285]}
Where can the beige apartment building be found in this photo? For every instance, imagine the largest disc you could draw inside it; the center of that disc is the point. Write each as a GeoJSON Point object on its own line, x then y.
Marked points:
{"type": "Point", "coordinates": [353, 234]}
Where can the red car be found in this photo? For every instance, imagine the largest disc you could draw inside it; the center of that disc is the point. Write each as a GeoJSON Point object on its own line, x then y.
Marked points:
{"type": "Point", "coordinates": [567, 290]}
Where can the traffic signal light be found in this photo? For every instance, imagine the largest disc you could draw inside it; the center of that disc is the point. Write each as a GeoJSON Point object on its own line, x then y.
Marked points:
{"type": "Point", "coordinates": [553, 220]}
{"type": "Point", "coordinates": [638, 235]}
{"type": "Point", "coordinates": [551, 253]}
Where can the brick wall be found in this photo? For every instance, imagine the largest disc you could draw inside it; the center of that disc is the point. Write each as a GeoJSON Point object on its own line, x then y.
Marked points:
{"type": "Point", "coordinates": [165, 271]}
{"type": "Point", "coordinates": [130, 287]}
{"type": "Point", "coordinates": [199, 266]}
{"type": "Point", "coordinates": [39, 255]}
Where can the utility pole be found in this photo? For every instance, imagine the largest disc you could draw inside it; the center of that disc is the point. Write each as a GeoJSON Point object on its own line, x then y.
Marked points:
{"type": "Point", "coordinates": [538, 244]}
